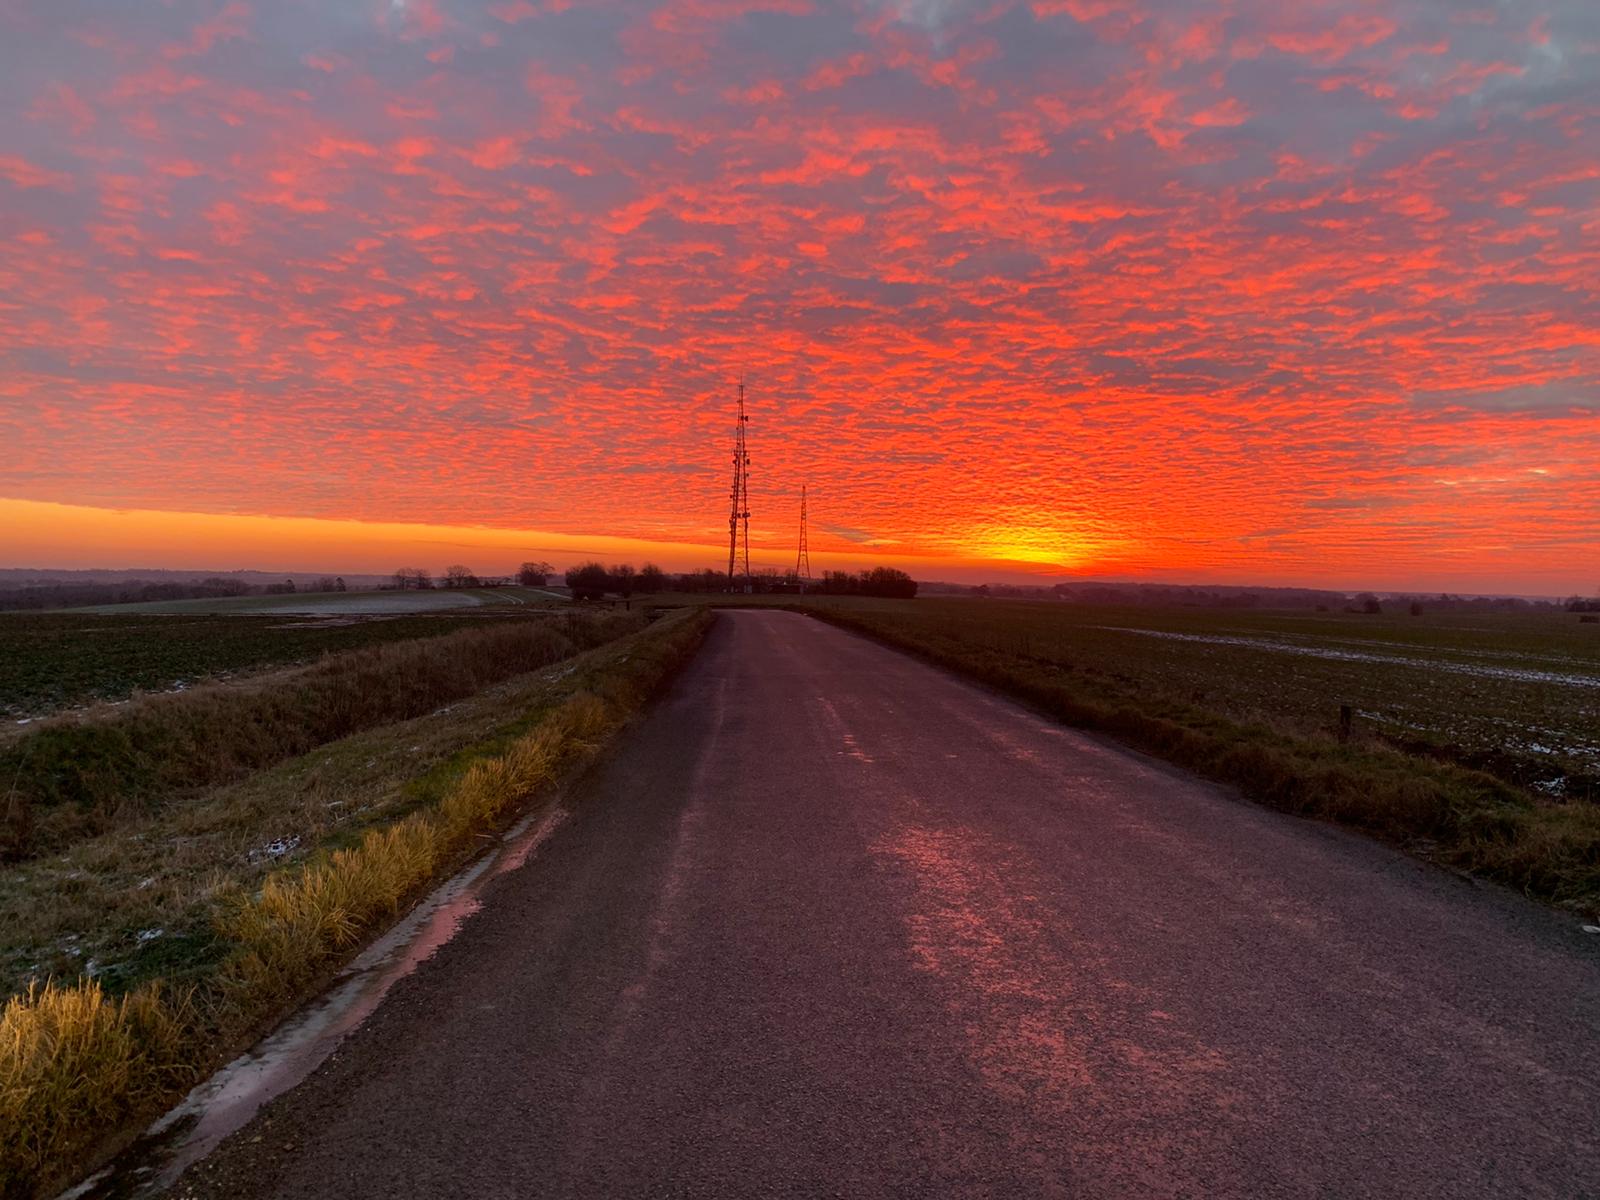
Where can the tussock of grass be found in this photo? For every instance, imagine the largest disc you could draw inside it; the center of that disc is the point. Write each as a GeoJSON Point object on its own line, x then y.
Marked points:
{"type": "Point", "coordinates": [300, 921]}
{"type": "Point", "coordinates": [1461, 817]}
{"type": "Point", "coordinates": [72, 1058]}
{"type": "Point", "coordinates": [75, 1063]}
{"type": "Point", "coordinates": [76, 777]}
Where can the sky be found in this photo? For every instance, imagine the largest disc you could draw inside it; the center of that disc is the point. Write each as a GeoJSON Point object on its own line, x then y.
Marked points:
{"type": "Point", "coordinates": [1234, 291]}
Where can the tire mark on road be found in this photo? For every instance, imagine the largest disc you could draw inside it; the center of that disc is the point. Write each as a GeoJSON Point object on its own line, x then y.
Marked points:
{"type": "Point", "coordinates": [1060, 1036]}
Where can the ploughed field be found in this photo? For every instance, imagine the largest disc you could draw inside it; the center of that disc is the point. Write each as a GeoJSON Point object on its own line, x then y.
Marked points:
{"type": "Point", "coordinates": [1516, 694]}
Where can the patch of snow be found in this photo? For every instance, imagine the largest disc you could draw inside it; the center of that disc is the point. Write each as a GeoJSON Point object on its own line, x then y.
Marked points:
{"type": "Point", "coordinates": [274, 850]}
{"type": "Point", "coordinates": [1520, 675]}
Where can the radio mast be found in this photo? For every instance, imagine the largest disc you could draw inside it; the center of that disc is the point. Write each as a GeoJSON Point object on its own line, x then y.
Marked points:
{"type": "Point", "coordinates": [739, 514]}
{"type": "Point", "coordinates": [802, 561]}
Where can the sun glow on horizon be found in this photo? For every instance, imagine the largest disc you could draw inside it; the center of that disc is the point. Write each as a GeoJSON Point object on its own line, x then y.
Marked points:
{"type": "Point", "coordinates": [78, 537]}
{"type": "Point", "coordinates": [1035, 541]}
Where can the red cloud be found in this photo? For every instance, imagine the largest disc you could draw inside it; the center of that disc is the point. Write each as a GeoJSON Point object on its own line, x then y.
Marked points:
{"type": "Point", "coordinates": [1088, 278]}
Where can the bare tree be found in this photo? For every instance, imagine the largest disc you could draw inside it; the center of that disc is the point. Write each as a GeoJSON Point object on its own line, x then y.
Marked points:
{"type": "Point", "coordinates": [458, 576]}
{"type": "Point", "coordinates": [413, 577]}
{"type": "Point", "coordinates": [534, 574]}
{"type": "Point", "coordinates": [588, 582]}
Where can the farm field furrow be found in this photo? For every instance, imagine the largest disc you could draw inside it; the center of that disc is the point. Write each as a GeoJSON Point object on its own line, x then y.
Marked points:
{"type": "Point", "coordinates": [52, 661]}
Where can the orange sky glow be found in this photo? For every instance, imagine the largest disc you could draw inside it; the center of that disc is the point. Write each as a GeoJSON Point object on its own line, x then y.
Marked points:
{"type": "Point", "coordinates": [1230, 291]}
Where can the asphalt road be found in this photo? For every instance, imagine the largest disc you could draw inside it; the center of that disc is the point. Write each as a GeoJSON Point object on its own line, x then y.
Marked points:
{"type": "Point", "coordinates": [832, 922]}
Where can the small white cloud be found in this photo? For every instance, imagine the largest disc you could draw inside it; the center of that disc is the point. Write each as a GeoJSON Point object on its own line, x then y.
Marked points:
{"type": "Point", "coordinates": [929, 14]}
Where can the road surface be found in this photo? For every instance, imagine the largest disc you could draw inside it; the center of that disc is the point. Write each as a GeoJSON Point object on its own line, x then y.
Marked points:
{"type": "Point", "coordinates": [832, 922]}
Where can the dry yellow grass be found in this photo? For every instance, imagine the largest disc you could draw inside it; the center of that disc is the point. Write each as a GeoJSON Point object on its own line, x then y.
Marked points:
{"type": "Point", "coordinates": [301, 920]}
{"type": "Point", "coordinates": [72, 1058]}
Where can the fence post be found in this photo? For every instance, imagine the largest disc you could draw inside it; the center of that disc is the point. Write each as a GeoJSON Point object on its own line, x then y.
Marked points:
{"type": "Point", "coordinates": [1345, 715]}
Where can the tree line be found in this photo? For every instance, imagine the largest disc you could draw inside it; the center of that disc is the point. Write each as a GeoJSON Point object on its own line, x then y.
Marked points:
{"type": "Point", "coordinates": [593, 581]}
{"type": "Point", "coordinates": [587, 581]}
{"type": "Point", "coordinates": [530, 574]}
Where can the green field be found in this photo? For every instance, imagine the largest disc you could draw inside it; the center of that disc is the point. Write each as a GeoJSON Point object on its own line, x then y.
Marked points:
{"type": "Point", "coordinates": [50, 661]}
{"type": "Point", "coordinates": [330, 604]}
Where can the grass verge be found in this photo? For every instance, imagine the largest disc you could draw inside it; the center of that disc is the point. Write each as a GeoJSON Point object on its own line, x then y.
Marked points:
{"type": "Point", "coordinates": [300, 921]}
{"type": "Point", "coordinates": [1462, 818]}
{"type": "Point", "coordinates": [78, 1067]}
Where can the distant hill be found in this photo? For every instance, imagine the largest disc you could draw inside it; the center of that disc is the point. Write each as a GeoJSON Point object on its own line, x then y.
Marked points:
{"type": "Point", "coordinates": [24, 588]}
{"type": "Point", "coordinates": [15, 577]}
{"type": "Point", "coordinates": [1167, 595]}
